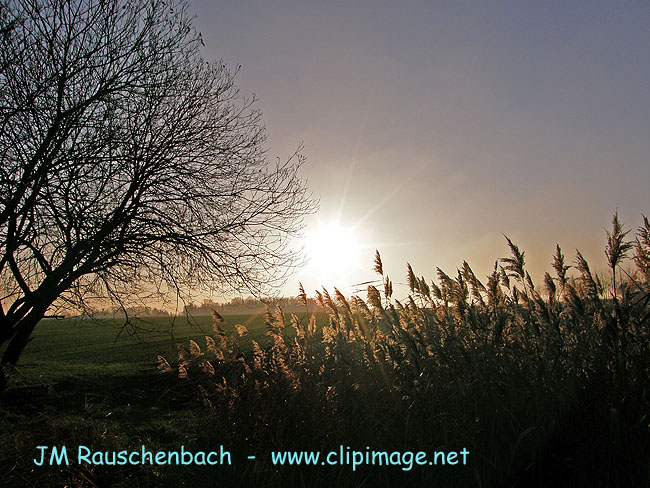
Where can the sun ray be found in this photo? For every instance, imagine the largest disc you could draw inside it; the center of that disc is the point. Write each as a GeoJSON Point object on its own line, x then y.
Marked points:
{"type": "Point", "coordinates": [397, 189]}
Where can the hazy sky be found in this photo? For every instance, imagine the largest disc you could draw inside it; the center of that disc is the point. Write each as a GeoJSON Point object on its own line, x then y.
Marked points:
{"type": "Point", "coordinates": [433, 128]}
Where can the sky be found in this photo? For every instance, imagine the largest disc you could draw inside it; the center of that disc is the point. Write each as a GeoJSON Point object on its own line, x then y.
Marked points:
{"type": "Point", "coordinates": [433, 129]}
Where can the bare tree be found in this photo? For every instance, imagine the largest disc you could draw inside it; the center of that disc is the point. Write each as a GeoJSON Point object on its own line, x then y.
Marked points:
{"type": "Point", "coordinates": [128, 159]}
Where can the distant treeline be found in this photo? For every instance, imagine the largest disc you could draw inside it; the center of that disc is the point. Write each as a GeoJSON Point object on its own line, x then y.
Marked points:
{"type": "Point", "coordinates": [235, 306]}
{"type": "Point", "coordinates": [252, 305]}
{"type": "Point", "coordinates": [142, 311]}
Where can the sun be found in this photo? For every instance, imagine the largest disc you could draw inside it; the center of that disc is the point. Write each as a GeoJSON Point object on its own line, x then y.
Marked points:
{"type": "Point", "coordinates": [334, 253]}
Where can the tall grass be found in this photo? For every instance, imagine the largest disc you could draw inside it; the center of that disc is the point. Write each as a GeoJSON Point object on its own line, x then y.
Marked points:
{"type": "Point", "coordinates": [545, 385]}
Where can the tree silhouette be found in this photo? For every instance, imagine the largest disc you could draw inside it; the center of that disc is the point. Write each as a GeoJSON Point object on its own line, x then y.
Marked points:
{"type": "Point", "coordinates": [127, 159]}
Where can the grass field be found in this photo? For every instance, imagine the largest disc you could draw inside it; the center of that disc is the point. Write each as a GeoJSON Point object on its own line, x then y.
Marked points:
{"type": "Point", "coordinates": [82, 347]}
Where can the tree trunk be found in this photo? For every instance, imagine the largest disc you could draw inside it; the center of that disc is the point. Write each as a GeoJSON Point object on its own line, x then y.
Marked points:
{"type": "Point", "coordinates": [18, 337]}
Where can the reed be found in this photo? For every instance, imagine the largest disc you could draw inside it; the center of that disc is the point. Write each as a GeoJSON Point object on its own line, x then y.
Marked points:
{"type": "Point", "coordinates": [544, 385]}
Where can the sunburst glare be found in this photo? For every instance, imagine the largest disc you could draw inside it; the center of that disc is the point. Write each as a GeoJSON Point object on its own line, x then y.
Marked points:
{"type": "Point", "coordinates": [334, 253]}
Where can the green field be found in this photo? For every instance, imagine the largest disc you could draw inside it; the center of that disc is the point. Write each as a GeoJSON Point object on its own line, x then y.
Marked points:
{"type": "Point", "coordinates": [83, 348]}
